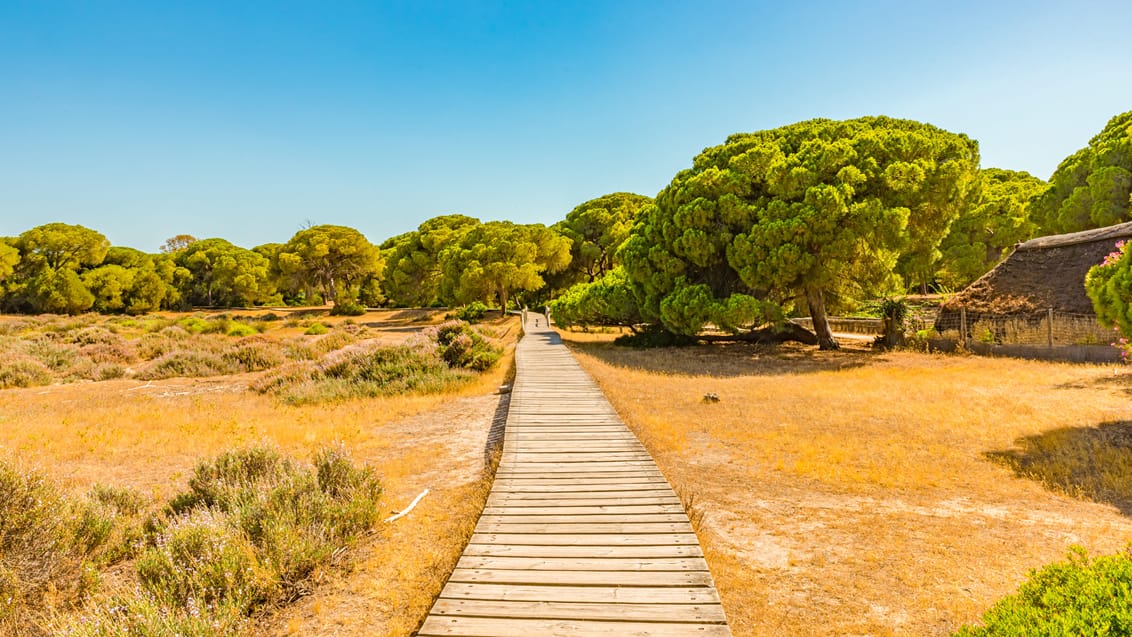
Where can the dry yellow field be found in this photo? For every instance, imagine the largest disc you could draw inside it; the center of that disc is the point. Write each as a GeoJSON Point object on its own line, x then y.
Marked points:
{"type": "Point", "coordinates": [149, 436]}
{"type": "Point", "coordinates": [853, 493]}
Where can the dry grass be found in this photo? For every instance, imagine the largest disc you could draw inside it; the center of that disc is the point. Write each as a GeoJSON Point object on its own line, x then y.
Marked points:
{"type": "Point", "coordinates": [856, 493]}
{"type": "Point", "coordinates": [149, 436]}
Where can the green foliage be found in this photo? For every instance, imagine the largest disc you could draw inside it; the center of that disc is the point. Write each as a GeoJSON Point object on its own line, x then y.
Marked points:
{"type": "Point", "coordinates": [58, 292]}
{"type": "Point", "coordinates": [808, 210]}
{"type": "Point", "coordinates": [499, 258]}
{"type": "Point", "coordinates": [316, 329]}
{"type": "Point", "coordinates": [1083, 596]}
{"type": "Point", "coordinates": [1109, 286]}
{"type": "Point", "coordinates": [1092, 188]}
{"type": "Point", "coordinates": [9, 257]}
{"type": "Point", "coordinates": [60, 246]}
{"type": "Point", "coordinates": [347, 307]}
{"type": "Point", "coordinates": [236, 328]}
{"type": "Point", "coordinates": [461, 346]}
{"type": "Point", "coordinates": [249, 532]}
{"type": "Point", "coordinates": [333, 258]}
{"type": "Point", "coordinates": [472, 312]}
{"type": "Point", "coordinates": [596, 229]}
{"type": "Point", "coordinates": [219, 273]}
{"type": "Point", "coordinates": [984, 233]}
{"type": "Point", "coordinates": [607, 301]}
{"type": "Point", "coordinates": [413, 267]}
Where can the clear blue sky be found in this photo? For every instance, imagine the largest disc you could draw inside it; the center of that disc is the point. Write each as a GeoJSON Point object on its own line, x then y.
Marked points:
{"type": "Point", "coordinates": [248, 119]}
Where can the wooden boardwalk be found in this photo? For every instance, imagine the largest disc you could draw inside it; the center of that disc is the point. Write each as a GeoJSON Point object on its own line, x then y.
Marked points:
{"type": "Point", "coordinates": [581, 535]}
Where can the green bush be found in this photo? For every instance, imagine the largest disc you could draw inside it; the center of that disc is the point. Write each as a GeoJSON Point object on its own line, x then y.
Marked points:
{"type": "Point", "coordinates": [461, 346]}
{"type": "Point", "coordinates": [237, 328]}
{"type": "Point", "coordinates": [316, 329]}
{"type": "Point", "coordinates": [1083, 597]}
{"type": "Point", "coordinates": [472, 312]}
{"type": "Point", "coordinates": [347, 308]}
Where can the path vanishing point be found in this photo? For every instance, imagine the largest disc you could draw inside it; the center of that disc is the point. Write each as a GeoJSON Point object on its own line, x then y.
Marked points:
{"type": "Point", "coordinates": [581, 535]}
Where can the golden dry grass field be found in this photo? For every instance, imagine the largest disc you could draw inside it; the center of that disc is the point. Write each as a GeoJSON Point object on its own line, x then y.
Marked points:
{"type": "Point", "coordinates": [149, 435]}
{"type": "Point", "coordinates": [860, 493]}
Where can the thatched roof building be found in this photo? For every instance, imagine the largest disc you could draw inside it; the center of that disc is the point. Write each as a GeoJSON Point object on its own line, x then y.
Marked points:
{"type": "Point", "coordinates": [1041, 274]}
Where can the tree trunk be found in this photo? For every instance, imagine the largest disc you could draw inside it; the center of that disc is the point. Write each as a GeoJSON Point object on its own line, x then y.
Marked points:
{"type": "Point", "coordinates": [821, 322]}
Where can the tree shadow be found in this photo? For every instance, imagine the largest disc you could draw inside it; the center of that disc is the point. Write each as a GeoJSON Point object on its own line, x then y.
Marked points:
{"type": "Point", "coordinates": [1093, 463]}
{"type": "Point", "coordinates": [1119, 382]}
{"type": "Point", "coordinates": [729, 360]}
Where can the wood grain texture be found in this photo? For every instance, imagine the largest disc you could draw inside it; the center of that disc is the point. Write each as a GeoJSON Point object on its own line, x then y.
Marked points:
{"type": "Point", "coordinates": [582, 535]}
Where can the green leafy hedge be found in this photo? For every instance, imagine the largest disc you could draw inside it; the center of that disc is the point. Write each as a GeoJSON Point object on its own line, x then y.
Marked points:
{"type": "Point", "coordinates": [1082, 597]}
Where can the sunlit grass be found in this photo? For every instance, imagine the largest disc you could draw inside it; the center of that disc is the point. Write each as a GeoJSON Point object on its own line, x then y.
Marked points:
{"type": "Point", "coordinates": [851, 493]}
{"type": "Point", "coordinates": [148, 436]}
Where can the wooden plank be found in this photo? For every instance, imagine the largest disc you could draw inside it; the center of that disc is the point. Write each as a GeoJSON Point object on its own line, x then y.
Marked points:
{"type": "Point", "coordinates": [436, 626]}
{"type": "Point", "coordinates": [628, 612]}
{"type": "Point", "coordinates": [581, 535]}
{"type": "Point", "coordinates": [536, 550]}
{"type": "Point", "coordinates": [584, 528]}
{"type": "Point", "coordinates": [583, 498]}
{"type": "Point", "coordinates": [572, 510]}
{"type": "Point", "coordinates": [583, 578]}
{"type": "Point", "coordinates": [590, 564]}
{"type": "Point", "coordinates": [661, 538]}
{"type": "Point", "coordinates": [582, 594]}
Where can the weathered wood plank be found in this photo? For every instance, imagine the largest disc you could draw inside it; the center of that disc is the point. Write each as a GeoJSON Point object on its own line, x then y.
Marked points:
{"type": "Point", "coordinates": [438, 625]}
{"type": "Point", "coordinates": [583, 578]}
{"type": "Point", "coordinates": [628, 612]}
{"type": "Point", "coordinates": [581, 535]}
{"type": "Point", "coordinates": [584, 528]}
{"type": "Point", "coordinates": [589, 539]}
{"type": "Point", "coordinates": [516, 509]}
{"type": "Point", "coordinates": [581, 594]}
{"type": "Point", "coordinates": [590, 564]}
{"type": "Point", "coordinates": [553, 551]}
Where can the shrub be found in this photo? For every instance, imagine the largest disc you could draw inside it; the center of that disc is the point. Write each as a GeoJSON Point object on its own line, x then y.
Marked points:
{"type": "Point", "coordinates": [362, 371]}
{"type": "Point", "coordinates": [24, 371]}
{"type": "Point", "coordinates": [108, 371]}
{"type": "Point", "coordinates": [250, 531]}
{"type": "Point", "coordinates": [44, 539]}
{"type": "Point", "coordinates": [1080, 597]}
{"type": "Point", "coordinates": [347, 308]}
{"type": "Point", "coordinates": [122, 352]}
{"type": "Point", "coordinates": [56, 356]}
{"type": "Point", "coordinates": [95, 335]}
{"type": "Point", "coordinates": [202, 558]}
{"type": "Point", "coordinates": [472, 312]}
{"type": "Point", "coordinates": [255, 355]}
{"type": "Point", "coordinates": [186, 363]}
{"type": "Point", "coordinates": [236, 328]}
{"type": "Point", "coordinates": [316, 329]}
{"type": "Point", "coordinates": [461, 346]}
